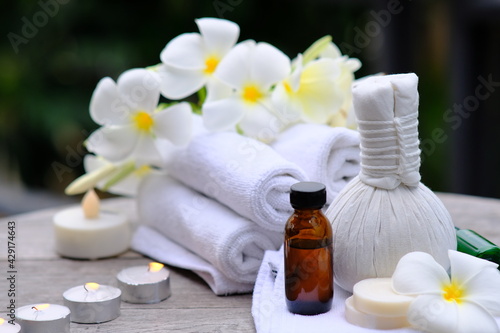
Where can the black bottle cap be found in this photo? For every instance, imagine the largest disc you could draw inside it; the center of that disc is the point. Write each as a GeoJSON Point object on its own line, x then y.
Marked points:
{"type": "Point", "coordinates": [310, 195]}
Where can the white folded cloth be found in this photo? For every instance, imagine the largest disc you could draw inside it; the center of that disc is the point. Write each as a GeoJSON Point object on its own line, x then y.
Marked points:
{"type": "Point", "coordinates": [329, 155]}
{"type": "Point", "coordinates": [232, 244]}
{"type": "Point", "coordinates": [151, 243]}
{"type": "Point", "coordinates": [244, 174]}
{"type": "Point", "coordinates": [271, 315]}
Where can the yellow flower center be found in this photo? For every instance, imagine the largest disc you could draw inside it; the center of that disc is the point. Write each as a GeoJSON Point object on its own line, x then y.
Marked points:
{"type": "Point", "coordinates": [288, 88]}
{"type": "Point", "coordinates": [252, 94]}
{"type": "Point", "coordinates": [210, 64]}
{"type": "Point", "coordinates": [452, 292]}
{"type": "Point", "coordinates": [142, 171]}
{"type": "Point", "coordinates": [143, 121]}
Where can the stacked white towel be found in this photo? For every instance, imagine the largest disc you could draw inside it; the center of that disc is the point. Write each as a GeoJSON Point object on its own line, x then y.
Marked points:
{"type": "Point", "coordinates": [226, 199]}
{"type": "Point", "coordinates": [329, 155]}
{"type": "Point", "coordinates": [232, 244]}
{"type": "Point", "coordinates": [153, 244]}
{"type": "Point", "coordinates": [242, 173]}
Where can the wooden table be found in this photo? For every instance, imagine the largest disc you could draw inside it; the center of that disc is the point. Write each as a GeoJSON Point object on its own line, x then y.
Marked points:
{"type": "Point", "coordinates": [42, 276]}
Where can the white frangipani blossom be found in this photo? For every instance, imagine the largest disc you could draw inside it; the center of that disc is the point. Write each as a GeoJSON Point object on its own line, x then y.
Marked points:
{"type": "Point", "coordinates": [310, 93]}
{"type": "Point", "coordinates": [190, 59]}
{"type": "Point", "coordinates": [250, 69]}
{"type": "Point", "coordinates": [462, 303]}
{"type": "Point", "coordinates": [249, 87]}
{"type": "Point", "coordinates": [130, 124]}
{"type": "Point", "coordinates": [345, 116]}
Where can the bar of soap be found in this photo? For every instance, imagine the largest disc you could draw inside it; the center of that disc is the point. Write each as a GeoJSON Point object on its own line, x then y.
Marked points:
{"type": "Point", "coordinates": [361, 319]}
{"type": "Point", "coordinates": [376, 297]}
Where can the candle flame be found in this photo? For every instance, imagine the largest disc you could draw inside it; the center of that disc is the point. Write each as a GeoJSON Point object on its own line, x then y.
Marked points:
{"type": "Point", "coordinates": [91, 286]}
{"type": "Point", "coordinates": [155, 266]}
{"type": "Point", "coordinates": [41, 307]}
{"type": "Point", "coordinates": [91, 205]}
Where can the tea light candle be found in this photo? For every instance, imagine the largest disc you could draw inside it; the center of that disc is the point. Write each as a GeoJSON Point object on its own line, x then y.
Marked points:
{"type": "Point", "coordinates": [43, 318]}
{"type": "Point", "coordinates": [92, 303]}
{"type": "Point", "coordinates": [86, 232]}
{"type": "Point", "coordinates": [144, 284]}
{"type": "Point", "coordinates": [6, 327]}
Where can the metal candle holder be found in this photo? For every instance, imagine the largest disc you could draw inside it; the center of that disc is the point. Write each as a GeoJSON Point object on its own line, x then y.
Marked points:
{"type": "Point", "coordinates": [92, 303]}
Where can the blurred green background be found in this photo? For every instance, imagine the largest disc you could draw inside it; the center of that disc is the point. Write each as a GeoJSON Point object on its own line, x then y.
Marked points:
{"type": "Point", "coordinates": [48, 72]}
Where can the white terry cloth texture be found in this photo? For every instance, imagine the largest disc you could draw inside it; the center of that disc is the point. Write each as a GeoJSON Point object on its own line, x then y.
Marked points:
{"type": "Point", "coordinates": [244, 174]}
{"type": "Point", "coordinates": [151, 243]}
{"type": "Point", "coordinates": [386, 212]}
{"type": "Point", "coordinates": [329, 155]}
{"type": "Point", "coordinates": [232, 244]}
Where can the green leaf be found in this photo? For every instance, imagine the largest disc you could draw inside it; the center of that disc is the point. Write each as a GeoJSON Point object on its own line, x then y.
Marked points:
{"type": "Point", "coordinates": [120, 174]}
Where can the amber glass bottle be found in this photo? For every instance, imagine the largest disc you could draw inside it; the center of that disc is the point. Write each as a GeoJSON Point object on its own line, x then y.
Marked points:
{"type": "Point", "coordinates": [308, 252]}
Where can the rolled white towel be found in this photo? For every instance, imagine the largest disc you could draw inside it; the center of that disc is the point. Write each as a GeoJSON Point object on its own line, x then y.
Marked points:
{"type": "Point", "coordinates": [151, 243]}
{"type": "Point", "coordinates": [329, 155]}
{"type": "Point", "coordinates": [232, 244]}
{"type": "Point", "coordinates": [244, 174]}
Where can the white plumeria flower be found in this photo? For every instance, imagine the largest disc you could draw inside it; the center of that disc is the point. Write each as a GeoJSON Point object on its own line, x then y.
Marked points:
{"type": "Point", "coordinates": [126, 110]}
{"type": "Point", "coordinates": [333, 52]}
{"type": "Point", "coordinates": [250, 69]}
{"type": "Point", "coordinates": [464, 303]}
{"type": "Point", "coordinates": [128, 185]}
{"type": "Point", "coordinates": [345, 117]}
{"type": "Point", "coordinates": [311, 91]}
{"type": "Point", "coordinates": [190, 59]}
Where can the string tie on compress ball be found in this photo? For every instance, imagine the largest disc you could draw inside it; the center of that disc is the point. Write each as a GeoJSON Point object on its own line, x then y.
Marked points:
{"type": "Point", "coordinates": [390, 153]}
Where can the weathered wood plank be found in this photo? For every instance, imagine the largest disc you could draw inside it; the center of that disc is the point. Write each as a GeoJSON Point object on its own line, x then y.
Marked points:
{"type": "Point", "coordinates": [191, 308]}
{"type": "Point", "coordinates": [197, 320]}
{"type": "Point", "coordinates": [479, 214]}
{"type": "Point", "coordinates": [44, 281]}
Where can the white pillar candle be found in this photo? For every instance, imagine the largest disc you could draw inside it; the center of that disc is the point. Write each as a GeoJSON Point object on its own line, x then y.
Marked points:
{"type": "Point", "coordinates": [88, 233]}
{"type": "Point", "coordinates": [92, 303]}
{"type": "Point", "coordinates": [43, 318]}
{"type": "Point", "coordinates": [144, 284]}
{"type": "Point", "coordinates": [6, 327]}
{"type": "Point", "coordinates": [376, 296]}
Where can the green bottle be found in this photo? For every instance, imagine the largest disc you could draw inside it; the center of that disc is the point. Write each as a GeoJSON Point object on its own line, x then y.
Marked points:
{"type": "Point", "coordinates": [470, 242]}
